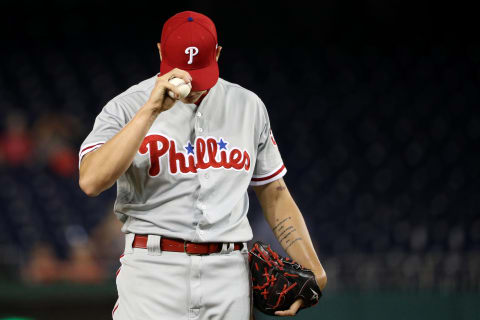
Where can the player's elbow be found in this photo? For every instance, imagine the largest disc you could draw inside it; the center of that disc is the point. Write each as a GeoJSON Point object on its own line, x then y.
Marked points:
{"type": "Point", "coordinates": [88, 186]}
{"type": "Point", "coordinates": [90, 179]}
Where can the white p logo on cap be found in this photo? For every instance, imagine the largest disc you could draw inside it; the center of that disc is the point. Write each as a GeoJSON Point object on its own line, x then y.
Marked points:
{"type": "Point", "coordinates": [192, 51]}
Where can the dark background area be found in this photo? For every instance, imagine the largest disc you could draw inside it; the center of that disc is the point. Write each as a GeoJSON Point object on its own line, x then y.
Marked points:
{"type": "Point", "coordinates": [374, 105]}
{"type": "Point", "coordinates": [248, 23]}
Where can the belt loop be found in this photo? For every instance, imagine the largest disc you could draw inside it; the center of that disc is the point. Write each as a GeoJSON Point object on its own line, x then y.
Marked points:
{"type": "Point", "coordinates": [128, 242]}
{"type": "Point", "coordinates": [244, 248]}
{"type": "Point", "coordinates": [224, 248]}
{"type": "Point", "coordinates": [153, 245]}
{"type": "Point", "coordinates": [231, 246]}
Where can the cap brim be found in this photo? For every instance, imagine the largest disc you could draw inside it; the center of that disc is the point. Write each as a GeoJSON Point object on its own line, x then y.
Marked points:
{"type": "Point", "coordinates": [203, 79]}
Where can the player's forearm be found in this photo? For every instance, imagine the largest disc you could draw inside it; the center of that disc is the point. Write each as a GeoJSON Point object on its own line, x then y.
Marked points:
{"type": "Point", "coordinates": [101, 168]}
{"type": "Point", "coordinates": [288, 225]}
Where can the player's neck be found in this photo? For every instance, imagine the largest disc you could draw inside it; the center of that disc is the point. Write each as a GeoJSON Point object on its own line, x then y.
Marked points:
{"type": "Point", "coordinates": [200, 99]}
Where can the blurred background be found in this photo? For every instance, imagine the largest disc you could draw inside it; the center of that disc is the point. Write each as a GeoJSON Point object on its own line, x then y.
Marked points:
{"type": "Point", "coordinates": [374, 105]}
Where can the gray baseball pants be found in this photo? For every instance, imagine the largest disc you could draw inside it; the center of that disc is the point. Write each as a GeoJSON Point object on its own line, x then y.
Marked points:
{"type": "Point", "coordinates": [166, 285]}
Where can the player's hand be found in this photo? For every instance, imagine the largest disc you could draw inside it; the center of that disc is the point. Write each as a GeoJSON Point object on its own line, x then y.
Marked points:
{"type": "Point", "coordinates": [321, 278]}
{"type": "Point", "coordinates": [292, 311]}
{"type": "Point", "coordinates": [159, 99]}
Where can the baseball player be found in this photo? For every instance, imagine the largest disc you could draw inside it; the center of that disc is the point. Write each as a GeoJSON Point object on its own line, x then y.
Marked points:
{"type": "Point", "coordinates": [182, 168]}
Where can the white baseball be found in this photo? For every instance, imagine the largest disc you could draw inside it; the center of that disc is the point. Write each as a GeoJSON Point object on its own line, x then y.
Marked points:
{"type": "Point", "coordinates": [183, 87]}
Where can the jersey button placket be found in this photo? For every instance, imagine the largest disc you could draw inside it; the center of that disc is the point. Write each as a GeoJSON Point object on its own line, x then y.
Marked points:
{"type": "Point", "coordinates": [201, 130]}
{"type": "Point", "coordinates": [199, 124]}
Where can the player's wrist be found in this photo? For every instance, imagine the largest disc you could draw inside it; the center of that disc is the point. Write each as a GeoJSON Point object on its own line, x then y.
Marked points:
{"type": "Point", "coordinates": [152, 108]}
{"type": "Point", "coordinates": [320, 277]}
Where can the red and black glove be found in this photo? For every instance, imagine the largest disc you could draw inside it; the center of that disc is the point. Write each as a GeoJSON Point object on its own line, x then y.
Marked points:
{"type": "Point", "coordinates": [278, 282]}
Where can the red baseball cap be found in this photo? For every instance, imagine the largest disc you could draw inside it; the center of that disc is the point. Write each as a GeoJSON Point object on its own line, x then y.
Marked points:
{"type": "Point", "coordinates": [189, 42]}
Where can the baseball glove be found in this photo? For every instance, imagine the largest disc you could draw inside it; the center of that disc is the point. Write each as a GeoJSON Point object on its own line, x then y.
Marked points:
{"type": "Point", "coordinates": [278, 282]}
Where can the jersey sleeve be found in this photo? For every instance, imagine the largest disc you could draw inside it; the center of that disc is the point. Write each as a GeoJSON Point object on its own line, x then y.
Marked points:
{"type": "Point", "coordinates": [108, 123]}
{"type": "Point", "coordinates": [269, 164]}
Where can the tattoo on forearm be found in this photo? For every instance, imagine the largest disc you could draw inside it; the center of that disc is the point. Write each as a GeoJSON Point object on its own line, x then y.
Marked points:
{"type": "Point", "coordinates": [297, 239]}
{"type": "Point", "coordinates": [286, 230]}
{"type": "Point", "coordinates": [280, 224]}
{"type": "Point", "coordinates": [285, 236]}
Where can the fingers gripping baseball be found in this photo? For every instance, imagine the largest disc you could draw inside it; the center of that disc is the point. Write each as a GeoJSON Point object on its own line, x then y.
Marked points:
{"type": "Point", "coordinates": [159, 99]}
{"type": "Point", "coordinates": [177, 73]}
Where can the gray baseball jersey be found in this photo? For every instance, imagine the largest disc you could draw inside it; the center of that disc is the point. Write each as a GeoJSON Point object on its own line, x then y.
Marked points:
{"type": "Point", "coordinates": [190, 176]}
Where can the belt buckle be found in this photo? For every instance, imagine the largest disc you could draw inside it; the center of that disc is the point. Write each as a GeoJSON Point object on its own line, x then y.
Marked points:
{"type": "Point", "coordinates": [191, 254]}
